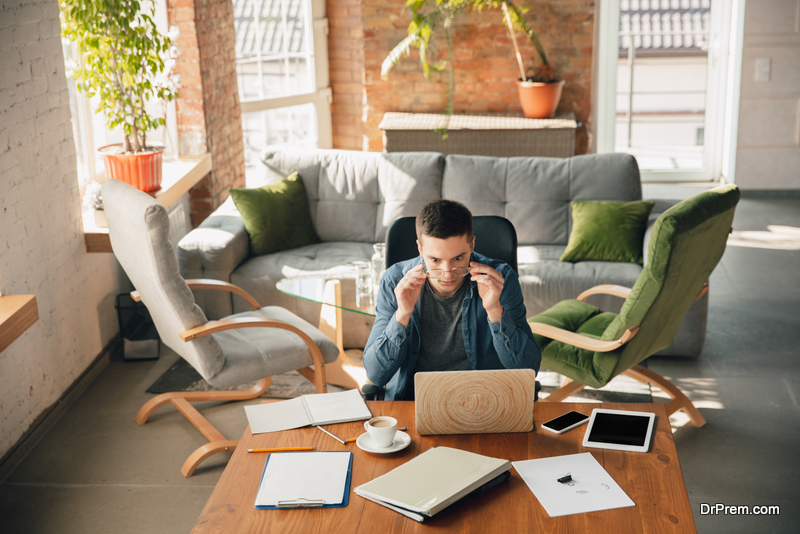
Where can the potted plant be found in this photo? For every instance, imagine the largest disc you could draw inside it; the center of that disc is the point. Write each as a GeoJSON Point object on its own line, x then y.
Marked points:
{"type": "Point", "coordinates": [538, 88]}
{"type": "Point", "coordinates": [123, 63]}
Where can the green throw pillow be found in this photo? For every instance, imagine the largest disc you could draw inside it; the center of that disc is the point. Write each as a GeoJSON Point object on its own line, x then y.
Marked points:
{"type": "Point", "coordinates": [607, 231]}
{"type": "Point", "coordinates": [276, 216]}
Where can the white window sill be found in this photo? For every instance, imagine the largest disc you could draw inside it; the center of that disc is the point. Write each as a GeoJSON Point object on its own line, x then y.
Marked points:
{"type": "Point", "coordinates": [179, 176]}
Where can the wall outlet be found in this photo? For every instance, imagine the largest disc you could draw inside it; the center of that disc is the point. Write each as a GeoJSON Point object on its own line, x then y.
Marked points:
{"type": "Point", "coordinates": [763, 69]}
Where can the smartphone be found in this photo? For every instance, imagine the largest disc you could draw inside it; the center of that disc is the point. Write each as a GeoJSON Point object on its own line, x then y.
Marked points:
{"type": "Point", "coordinates": [568, 421]}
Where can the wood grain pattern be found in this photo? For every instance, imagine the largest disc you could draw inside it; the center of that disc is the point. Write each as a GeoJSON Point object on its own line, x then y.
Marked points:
{"type": "Point", "coordinates": [17, 314]}
{"type": "Point", "coordinates": [653, 480]}
{"type": "Point", "coordinates": [470, 402]}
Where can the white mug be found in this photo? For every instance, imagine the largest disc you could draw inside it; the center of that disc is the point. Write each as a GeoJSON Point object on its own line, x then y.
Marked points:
{"type": "Point", "coordinates": [382, 430]}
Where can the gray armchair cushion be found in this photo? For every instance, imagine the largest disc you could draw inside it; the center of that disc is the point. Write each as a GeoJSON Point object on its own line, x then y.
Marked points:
{"type": "Point", "coordinates": [138, 227]}
{"type": "Point", "coordinates": [258, 352]}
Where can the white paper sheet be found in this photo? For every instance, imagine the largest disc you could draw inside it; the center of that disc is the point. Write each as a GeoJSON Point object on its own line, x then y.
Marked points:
{"type": "Point", "coordinates": [275, 416]}
{"type": "Point", "coordinates": [329, 408]}
{"type": "Point", "coordinates": [307, 476]}
{"type": "Point", "coordinates": [593, 488]}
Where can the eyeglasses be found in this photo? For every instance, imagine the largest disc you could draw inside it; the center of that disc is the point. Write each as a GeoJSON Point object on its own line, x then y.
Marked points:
{"type": "Point", "coordinates": [438, 273]}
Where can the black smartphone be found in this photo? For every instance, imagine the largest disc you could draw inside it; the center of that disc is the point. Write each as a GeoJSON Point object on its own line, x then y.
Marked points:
{"type": "Point", "coordinates": [565, 422]}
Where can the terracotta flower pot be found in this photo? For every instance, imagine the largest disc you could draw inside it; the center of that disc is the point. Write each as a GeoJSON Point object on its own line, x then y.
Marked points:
{"type": "Point", "coordinates": [539, 100]}
{"type": "Point", "coordinates": [142, 171]}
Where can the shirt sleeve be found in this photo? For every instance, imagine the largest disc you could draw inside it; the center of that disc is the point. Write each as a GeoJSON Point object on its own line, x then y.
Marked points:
{"type": "Point", "coordinates": [388, 344]}
{"type": "Point", "coordinates": [512, 336]}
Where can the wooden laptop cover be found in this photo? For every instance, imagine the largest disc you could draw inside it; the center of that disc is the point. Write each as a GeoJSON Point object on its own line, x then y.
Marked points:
{"type": "Point", "coordinates": [474, 402]}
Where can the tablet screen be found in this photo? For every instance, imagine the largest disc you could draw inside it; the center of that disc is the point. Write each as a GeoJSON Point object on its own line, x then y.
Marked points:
{"type": "Point", "coordinates": [619, 429]}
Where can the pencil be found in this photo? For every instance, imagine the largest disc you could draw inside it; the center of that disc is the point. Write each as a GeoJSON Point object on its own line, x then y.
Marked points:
{"type": "Point", "coordinates": [283, 449]}
{"type": "Point", "coordinates": [351, 440]}
{"type": "Point", "coordinates": [340, 440]}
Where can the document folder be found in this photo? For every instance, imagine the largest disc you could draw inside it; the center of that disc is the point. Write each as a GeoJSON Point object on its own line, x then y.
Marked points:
{"type": "Point", "coordinates": [305, 480]}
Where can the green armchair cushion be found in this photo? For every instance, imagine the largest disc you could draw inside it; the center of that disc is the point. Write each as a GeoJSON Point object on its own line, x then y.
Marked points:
{"type": "Point", "coordinates": [276, 216]}
{"type": "Point", "coordinates": [607, 231]}
{"type": "Point", "coordinates": [594, 369]}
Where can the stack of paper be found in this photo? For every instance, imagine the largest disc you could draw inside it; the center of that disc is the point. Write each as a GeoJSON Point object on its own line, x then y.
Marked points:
{"type": "Point", "coordinates": [433, 480]}
{"type": "Point", "coordinates": [316, 409]}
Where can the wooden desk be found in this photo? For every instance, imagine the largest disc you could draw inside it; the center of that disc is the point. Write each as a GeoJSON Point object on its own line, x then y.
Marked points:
{"type": "Point", "coordinates": [653, 480]}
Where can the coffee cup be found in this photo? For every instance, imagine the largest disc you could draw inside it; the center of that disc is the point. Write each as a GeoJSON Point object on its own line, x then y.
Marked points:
{"type": "Point", "coordinates": [382, 430]}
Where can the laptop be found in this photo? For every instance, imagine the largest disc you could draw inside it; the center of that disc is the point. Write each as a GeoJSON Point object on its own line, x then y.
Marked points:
{"type": "Point", "coordinates": [474, 402]}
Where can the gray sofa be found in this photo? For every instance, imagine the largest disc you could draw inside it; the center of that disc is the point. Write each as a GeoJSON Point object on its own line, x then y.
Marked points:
{"type": "Point", "coordinates": [354, 196]}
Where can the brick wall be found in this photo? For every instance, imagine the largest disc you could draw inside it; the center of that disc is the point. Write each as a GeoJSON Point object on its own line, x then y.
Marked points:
{"type": "Point", "coordinates": [485, 64]}
{"type": "Point", "coordinates": [346, 65]}
{"type": "Point", "coordinates": [41, 233]}
{"type": "Point", "coordinates": [209, 115]}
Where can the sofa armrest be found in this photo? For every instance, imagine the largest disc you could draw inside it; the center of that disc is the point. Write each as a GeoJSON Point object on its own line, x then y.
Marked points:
{"type": "Point", "coordinates": [214, 250]}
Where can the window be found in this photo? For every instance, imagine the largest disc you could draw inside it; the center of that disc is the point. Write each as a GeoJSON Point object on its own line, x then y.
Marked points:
{"type": "Point", "coordinates": [282, 71]}
{"type": "Point", "coordinates": [663, 79]}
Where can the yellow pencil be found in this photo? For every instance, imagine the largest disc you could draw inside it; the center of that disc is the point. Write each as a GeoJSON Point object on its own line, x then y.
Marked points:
{"type": "Point", "coordinates": [283, 449]}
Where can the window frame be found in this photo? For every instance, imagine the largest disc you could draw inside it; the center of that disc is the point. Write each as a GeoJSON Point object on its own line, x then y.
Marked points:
{"type": "Point", "coordinates": [322, 96]}
{"type": "Point", "coordinates": [723, 77]}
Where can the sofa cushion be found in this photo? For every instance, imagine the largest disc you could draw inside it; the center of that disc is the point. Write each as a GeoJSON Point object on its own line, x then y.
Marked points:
{"type": "Point", "coordinates": [607, 231]}
{"type": "Point", "coordinates": [276, 216]}
{"type": "Point", "coordinates": [355, 196]}
{"type": "Point", "coordinates": [535, 193]}
{"type": "Point", "coordinates": [547, 281]}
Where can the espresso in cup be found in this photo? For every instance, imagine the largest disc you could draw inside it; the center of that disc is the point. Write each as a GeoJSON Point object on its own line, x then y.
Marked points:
{"type": "Point", "coordinates": [382, 430]}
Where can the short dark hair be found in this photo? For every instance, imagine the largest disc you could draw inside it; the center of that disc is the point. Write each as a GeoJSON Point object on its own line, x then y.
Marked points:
{"type": "Point", "coordinates": [443, 219]}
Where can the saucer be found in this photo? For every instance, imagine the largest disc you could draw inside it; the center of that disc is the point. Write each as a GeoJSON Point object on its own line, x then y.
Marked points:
{"type": "Point", "coordinates": [401, 441]}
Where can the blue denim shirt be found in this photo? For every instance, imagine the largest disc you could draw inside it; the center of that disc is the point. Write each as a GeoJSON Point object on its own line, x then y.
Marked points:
{"type": "Point", "coordinates": [392, 349]}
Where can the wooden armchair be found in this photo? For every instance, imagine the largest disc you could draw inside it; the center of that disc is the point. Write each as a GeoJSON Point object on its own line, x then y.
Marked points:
{"type": "Point", "coordinates": [590, 347]}
{"type": "Point", "coordinates": [242, 348]}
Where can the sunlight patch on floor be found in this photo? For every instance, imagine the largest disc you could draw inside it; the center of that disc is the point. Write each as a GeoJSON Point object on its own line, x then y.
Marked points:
{"type": "Point", "coordinates": [775, 238]}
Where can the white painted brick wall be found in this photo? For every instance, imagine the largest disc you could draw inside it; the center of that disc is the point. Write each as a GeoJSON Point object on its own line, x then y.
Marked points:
{"type": "Point", "coordinates": [41, 236]}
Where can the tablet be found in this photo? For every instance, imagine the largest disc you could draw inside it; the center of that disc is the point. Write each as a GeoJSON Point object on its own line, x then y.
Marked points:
{"type": "Point", "coordinates": [619, 429]}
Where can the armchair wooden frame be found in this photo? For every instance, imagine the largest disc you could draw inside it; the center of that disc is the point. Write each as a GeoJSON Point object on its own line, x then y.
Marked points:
{"type": "Point", "coordinates": [181, 400]}
{"type": "Point", "coordinates": [679, 401]}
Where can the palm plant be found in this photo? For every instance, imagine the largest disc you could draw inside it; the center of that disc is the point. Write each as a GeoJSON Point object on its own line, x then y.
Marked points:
{"type": "Point", "coordinates": [430, 15]}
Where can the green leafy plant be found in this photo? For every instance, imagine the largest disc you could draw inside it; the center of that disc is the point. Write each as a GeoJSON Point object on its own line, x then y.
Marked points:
{"type": "Point", "coordinates": [430, 15]}
{"type": "Point", "coordinates": [123, 62]}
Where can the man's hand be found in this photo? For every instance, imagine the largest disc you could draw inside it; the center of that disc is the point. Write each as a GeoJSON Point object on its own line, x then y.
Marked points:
{"type": "Point", "coordinates": [407, 293]}
{"type": "Point", "coordinates": [490, 285]}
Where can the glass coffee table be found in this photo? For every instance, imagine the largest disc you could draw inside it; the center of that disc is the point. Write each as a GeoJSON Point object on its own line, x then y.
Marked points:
{"type": "Point", "coordinates": [336, 293]}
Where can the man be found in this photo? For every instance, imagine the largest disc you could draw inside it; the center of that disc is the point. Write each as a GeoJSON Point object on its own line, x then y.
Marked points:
{"type": "Point", "coordinates": [448, 309]}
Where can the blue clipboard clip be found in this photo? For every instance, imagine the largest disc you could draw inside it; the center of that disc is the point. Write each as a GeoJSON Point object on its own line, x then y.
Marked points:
{"type": "Point", "coordinates": [301, 503]}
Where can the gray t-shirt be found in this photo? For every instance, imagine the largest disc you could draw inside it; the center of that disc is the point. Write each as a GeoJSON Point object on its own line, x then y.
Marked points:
{"type": "Point", "coordinates": [441, 334]}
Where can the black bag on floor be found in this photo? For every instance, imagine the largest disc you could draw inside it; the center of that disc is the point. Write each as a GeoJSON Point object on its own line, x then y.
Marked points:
{"type": "Point", "coordinates": [140, 339]}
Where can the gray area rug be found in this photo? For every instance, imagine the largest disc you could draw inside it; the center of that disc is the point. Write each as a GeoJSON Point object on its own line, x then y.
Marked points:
{"type": "Point", "coordinates": [182, 377]}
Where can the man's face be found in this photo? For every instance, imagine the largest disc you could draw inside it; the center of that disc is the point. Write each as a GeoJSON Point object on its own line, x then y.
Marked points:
{"type": "Point", "coordinates": [446, 254]}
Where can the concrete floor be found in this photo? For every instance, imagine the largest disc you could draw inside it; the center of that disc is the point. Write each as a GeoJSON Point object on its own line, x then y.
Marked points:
{"type": "Point", "coordinates": [96, 471]}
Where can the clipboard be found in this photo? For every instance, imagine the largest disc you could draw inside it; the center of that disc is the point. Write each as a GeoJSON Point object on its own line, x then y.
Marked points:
{"type": "Point", "coordinates": [312, 479]}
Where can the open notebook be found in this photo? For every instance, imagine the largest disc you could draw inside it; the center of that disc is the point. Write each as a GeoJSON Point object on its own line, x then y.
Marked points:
{"type": "Point", "coordinates": [433, 480]}
{"type": "Point", "coordinates": [315, 409]}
